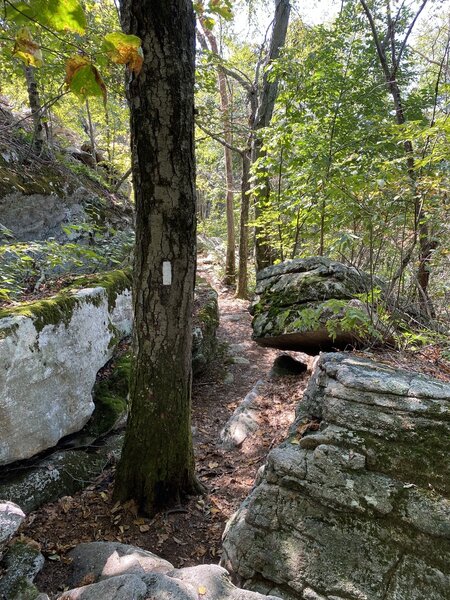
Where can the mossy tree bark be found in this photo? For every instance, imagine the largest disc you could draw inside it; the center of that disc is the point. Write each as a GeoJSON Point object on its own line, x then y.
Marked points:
{"type": "Point", "coordinates": [157, 465]}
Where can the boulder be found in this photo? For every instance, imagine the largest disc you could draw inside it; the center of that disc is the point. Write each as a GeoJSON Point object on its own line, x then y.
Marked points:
{"type": "Point", "coordinates": [355, 504]}
{"type": "Point", "coordinates": [60, 474]}
{"type": "Point", "coordinates": [206, 321]}
{"type": "Point", "coordinates": [21, 564]}
{"type": "Point", "coordinates": [113, 571]}
{"type": "Point", "coordinates": [300, 305]}
{"type": "Point", "coordinates": [287, 365]}
{"type": "Point", "coordinates": [11, 517]}
{"type": "Point", "coordinates": [50, 353]}
{"type": "Point", "coordinates": [102, 560]}
{"type": "Point", "coordinates": [245, 419]}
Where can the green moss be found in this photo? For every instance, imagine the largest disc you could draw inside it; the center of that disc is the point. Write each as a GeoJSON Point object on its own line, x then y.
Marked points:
{"type": "Point", "coordinates": [45, 181]}
{"type": "Point", "coordinates": [420, 457]}
{"type": "Point", "coordinates": [110, 398]}
{"type": "Point", "coordinates": [114, 282]}
{"type": "Point", "coordinates": [59, 308]}
{"type": "Point", "coordinates": [49, 311]}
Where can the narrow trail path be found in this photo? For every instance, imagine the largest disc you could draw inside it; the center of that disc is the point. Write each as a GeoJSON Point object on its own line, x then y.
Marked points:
{"type": "Point", "coordinates": [189, 534]}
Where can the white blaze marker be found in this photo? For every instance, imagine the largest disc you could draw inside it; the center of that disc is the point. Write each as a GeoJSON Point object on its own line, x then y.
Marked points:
{"type": "Point", "coordinates": [167, 273]}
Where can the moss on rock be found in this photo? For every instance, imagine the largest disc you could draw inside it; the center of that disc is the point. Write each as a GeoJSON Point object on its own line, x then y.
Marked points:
{"type": "Point", "coordinates": [110, 398]}
{"type": "Point", "coordinates": [59, 308]}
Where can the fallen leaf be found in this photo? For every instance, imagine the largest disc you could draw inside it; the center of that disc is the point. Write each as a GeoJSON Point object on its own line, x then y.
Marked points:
{"type": "Point", "coordinates": [202, 590]}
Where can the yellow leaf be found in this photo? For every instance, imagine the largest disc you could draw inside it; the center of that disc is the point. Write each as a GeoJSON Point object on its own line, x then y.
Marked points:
{"type": "Point", "coordinates": [202, 590]}
{"type": "Point", "coordinates": [27, 49]}
{"type": "Point", "coordinates": [124, 49]}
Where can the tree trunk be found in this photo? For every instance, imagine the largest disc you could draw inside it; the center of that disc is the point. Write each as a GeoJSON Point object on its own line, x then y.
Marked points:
{"type": "Point", "coordinates": [268, 95]}
{"type": "Point", "coordinates": [36, 110]}
{"type": "Point", "coordinates": [242, 287]}
{"type": "Point", "coordinates": [157, 464]}
{"type": "Point", "coordinates": [230, 265]}
{"type": "Point", "coordinates": [91, 135]}
{"type": "Point", "coordinates": [421, 227]}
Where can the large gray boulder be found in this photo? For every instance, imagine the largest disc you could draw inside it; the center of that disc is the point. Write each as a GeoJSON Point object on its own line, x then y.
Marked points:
{"type": "Point", "coordinates": [113, 571]}
{"type": "Point", "coordinates": [19, 567]}
{"type": "Point", "coordinates": [299, 301]}
{"type": "Point", "coordinates": [50, 353]}
{"type": "Point", "coordinates": [355, 504]}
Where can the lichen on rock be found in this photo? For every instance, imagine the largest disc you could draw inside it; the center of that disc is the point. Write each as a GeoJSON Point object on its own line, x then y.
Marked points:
{"type": "Point", "coordinates": [355, 504]}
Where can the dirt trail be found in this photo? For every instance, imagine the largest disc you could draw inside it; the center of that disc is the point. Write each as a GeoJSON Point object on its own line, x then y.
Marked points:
{"type": "Point", "coordinates": [190, 534]}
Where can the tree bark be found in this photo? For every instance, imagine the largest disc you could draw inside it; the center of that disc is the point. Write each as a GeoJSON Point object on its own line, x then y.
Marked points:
{"type": "Point", "coordinates": [157, 464]}
{"type": "Point", "coordinates": [36, 110]}
{"type": "Point", "coordinates": [268, 95]}
{"type": "Point", "coordinates": [230, 264]}
{"type": "Point", "coordinates": [242, 286]}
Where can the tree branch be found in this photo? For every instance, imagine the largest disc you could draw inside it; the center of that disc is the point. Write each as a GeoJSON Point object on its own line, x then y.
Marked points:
{"type": "Point", "coordinates": [408, 33]}
{"type": "Point", "coordinates": [380, 50]}
{"type": "Point", "coordinates": [217, 138]}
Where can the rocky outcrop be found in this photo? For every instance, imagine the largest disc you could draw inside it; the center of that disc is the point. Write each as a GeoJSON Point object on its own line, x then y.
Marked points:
{"type": "Point", "coordinates": [301, 304]}
{"type": "Point", "coordinates": [50, 353]}
{"type": "Point", "coordinates": [355, 504]}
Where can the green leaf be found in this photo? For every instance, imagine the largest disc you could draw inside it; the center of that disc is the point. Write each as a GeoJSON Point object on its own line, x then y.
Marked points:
{"type": "Point", "coordinates": [60, 15]}
{"type": "Point", "coordinates": [221, 7]}
{"type": "Point", "coordinates": [83, 79]}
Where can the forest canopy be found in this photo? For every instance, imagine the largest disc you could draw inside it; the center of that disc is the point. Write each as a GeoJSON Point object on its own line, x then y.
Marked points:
{"type": "Point", "coordinates": [352, 164]}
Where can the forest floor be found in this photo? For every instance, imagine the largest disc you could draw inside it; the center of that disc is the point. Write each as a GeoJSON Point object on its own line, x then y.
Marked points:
{"type": "Point", "coordinates": [191, 533]}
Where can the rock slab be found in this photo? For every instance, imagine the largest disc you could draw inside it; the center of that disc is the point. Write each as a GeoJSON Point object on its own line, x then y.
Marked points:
{"type": "Point", "coordinates": [295, 301]}
{"type": "Point", "coordinates": [355, 504]}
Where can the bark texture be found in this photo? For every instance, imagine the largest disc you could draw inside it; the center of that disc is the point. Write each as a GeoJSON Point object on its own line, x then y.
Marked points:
{"type": "Point", "coordinates": [157, 466]}
{"type": "Point", "coordinates": [230, 265]}
{"type": "Point", "coordinates": [242, 286]}
{"type": "Point", "coordinates": [263, 252]}
{"type": "Point", "coordinates": [36, 110]}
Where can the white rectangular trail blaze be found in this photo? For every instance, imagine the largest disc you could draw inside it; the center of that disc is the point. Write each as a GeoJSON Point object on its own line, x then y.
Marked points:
{"type": "Point", "coordinates": [167, 272]}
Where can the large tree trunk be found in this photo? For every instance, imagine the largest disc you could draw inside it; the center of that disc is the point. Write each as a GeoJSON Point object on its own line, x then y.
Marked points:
{"type": "Point", "coordinates": [268, 95]}
{"type": "Point", "coordinates": [157, 465]}
{"type": "Point", "coordinates": [36, 110]}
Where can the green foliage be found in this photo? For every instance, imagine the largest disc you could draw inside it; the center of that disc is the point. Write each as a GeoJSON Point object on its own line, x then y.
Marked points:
{"type": "Point", "coordinates": [28, 265]}
{"type": "Point", "coordinates": [60, 15]}
{"type": "Point", "coordinates": [340, 183]}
